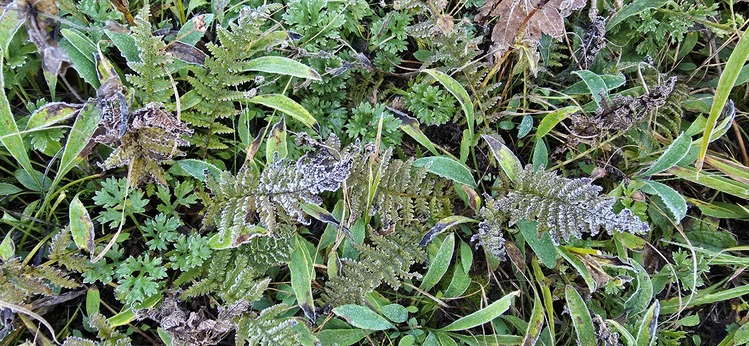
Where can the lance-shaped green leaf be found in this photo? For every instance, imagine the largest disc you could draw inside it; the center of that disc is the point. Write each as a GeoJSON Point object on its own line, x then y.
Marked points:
{"type": "Point", "coordinates": [11, 19]}
{"type": "Point", "coordinates": [302, 274]}
{"type": "Point", "coordinates": [442, 226]}
{"type": "Point", "coordinates": [81, 52]}
{"type": "Point", "coordinates": [647, 332]}
{"type": "Point", "coordinates": [9, 135]}
{"type": "Point", "coordinates": [552, 119]}
{"type": "Point", "coordinates": [288, 106]}
{"type": "Point", "coordinates": [81, 226]}
{"type": "Point", "coordinates": [586, 334]}
{"type": "Point", "coordinates": [50, 114]}
{"type": "Point", "coordinates": [596, 85]}
{"type": "Point", "coordinates": [542, 246]}
{"type": "Point", "coordinates": [631, 9]}
{"type": "Point", "coordinates": [447, 168]}
{"type": "Point", "coordinates": [80, 135]}
{"type": "Point", "coordinates": [7, 248]}
{"type": "Point", "coordinates": [276, 143]}
{"type": "Point", "coordinates": [507, 160]}
{"type": "Point", "coordinates": [535, 324]}
{"type": "Point", "coordinates": [484, 315]}
{"type": "Point", "coordinates": [676, 151]}
{"type": "Point", "coordinates": [439, 264]}
{"type": "Point", "coordinates": [281, 65]}
{"type": "Point", "coordinates": [362, 317]}
{"type": "Point", "coordinates": [673, 200]}
{"type": "Point", "coordinates": [198, 169]}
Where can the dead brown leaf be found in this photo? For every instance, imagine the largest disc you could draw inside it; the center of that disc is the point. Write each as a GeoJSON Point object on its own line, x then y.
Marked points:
{"type": "Point", "coordinates": [525, 20]}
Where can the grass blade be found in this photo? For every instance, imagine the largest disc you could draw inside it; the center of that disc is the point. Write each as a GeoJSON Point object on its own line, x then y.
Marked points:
{"type": "Point", "coordinates": [725, 84]}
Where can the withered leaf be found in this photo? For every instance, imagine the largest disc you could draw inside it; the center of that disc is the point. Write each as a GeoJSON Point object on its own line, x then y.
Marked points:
{"type": "Point", "coordinates": [152, 137]}
{"type": "Point", "coordinates": [525, 20]}
{"type": "Point", "coordinates": [186, 53]}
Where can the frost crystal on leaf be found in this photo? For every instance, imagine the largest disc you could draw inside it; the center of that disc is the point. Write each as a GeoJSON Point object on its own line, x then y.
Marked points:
{"type": "Point", "coordinates": [566, 207]}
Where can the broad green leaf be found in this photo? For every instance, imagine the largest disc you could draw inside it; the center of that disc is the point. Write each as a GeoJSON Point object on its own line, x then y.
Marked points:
{"type": "Point", "coordinates": [438, 266]}
{"type": "Point", "coordinates": [633, 8]}
{"type": "Point", "coordinates": [33, 180]}
{"type": "Point", "coordinates": [596, 85]}
{"type": "Point", "coordinates": [673, 200]}
{"type": "Point", "coordinates": [543, 247]}
{"type": "Point", "coordinates": [395, 312]}
{"type": "Point", "coordinates": [612, 82]}
{"type": "Point", "coordinates": [540, 155]}
{"type": "Point", "coordinates": [640, 300]}
{"type": "Point", "coordinates": [197, 169]}
{"type": "Point", "coordinates": [11, 19]}
{"type": "Point", "coordinates": [340, 337]}
{"type": "Point", "coordinates": [507, 160]}
{"type": "Point", "coordinates": [676, 151]}
{"type": "Point", "coordinates": [647, 332]}
{"type": "Point", "coordinates": [457, 90]}
{"type": "Point", "coordinates": [535, 324]}
{"type": "Point", "coordinates": [586, 333]}
{"type": "Point", "coordinates": [81, 52]}
{"type": "Point", "coordinates": [51, 113]}
{"type": "Point", "coordinates": [166, 337]}
{"type": "Point", "coordinates": [281, 65]}
{"type": "Point", "coordinates": [482, 316]}
{"type": "Point", "coordinates": [81, 226]}
{"type": "Point", "coordinates": [188, 33]}
{"type": "Point", "coordinates": [525, 126]}
{"type": "Point", "coordinates": [93, 300]}
{"type": "Point", "coordinates": [288, 106]}
{"type": "Point", "coordinates": [728, 78]}
{"type": "Point", "coordinates": [7, 248]}
{"type": "Point", "coordinates": [362, 317]}
{"type": "Point", "coordinates": [80, 135]}
{"type": "Point", "coordinates": [8, 189]}
{"type": "Point", "coordinates": [302, 271]}
{"type": "Point", "coordinates": [9, 135]}
{"type": "Point", "coordinates": [447, 168]}
{"type": "Point", "coordinates": [125, 43]}
{"type": "Point", "coordinates": [443, 225]}
{"type": "Point", "coordinates": [444, 339]}
{"type": "Point", "coordinates": [459, 282]}
{"type": "Point", "coordinates": [276, 143]}
{"type": "Point", "coordinates": [742, 335]}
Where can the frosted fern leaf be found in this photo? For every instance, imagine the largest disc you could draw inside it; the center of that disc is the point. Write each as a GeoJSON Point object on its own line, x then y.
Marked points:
{"type": "Point", "coordinates": [566, 207]}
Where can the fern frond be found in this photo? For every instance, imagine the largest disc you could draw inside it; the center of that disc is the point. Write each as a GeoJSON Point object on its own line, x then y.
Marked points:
{"type": "Point", "coordinates": [267, 328]}
{"type": "Point", "coordinates": [566, 207]}
{"type": "Point", "coordinates": [244, 207]}
{"type": "Point", "coordinates": [219, 85]}
{"type": "Point", "coordinates": [404, 194]}
{"type": "Point", "coordinates": [151, 80]}
{"type": "Point", "coordinates": [388, 259]}
{"type": "Point", "coordinates": [233, 275]}
{"type": "Point", "coordinates": [19, 282]}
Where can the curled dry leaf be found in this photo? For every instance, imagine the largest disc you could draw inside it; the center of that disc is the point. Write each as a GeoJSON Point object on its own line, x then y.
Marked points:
{"type": "Point", "coordinates": [525, 20]}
